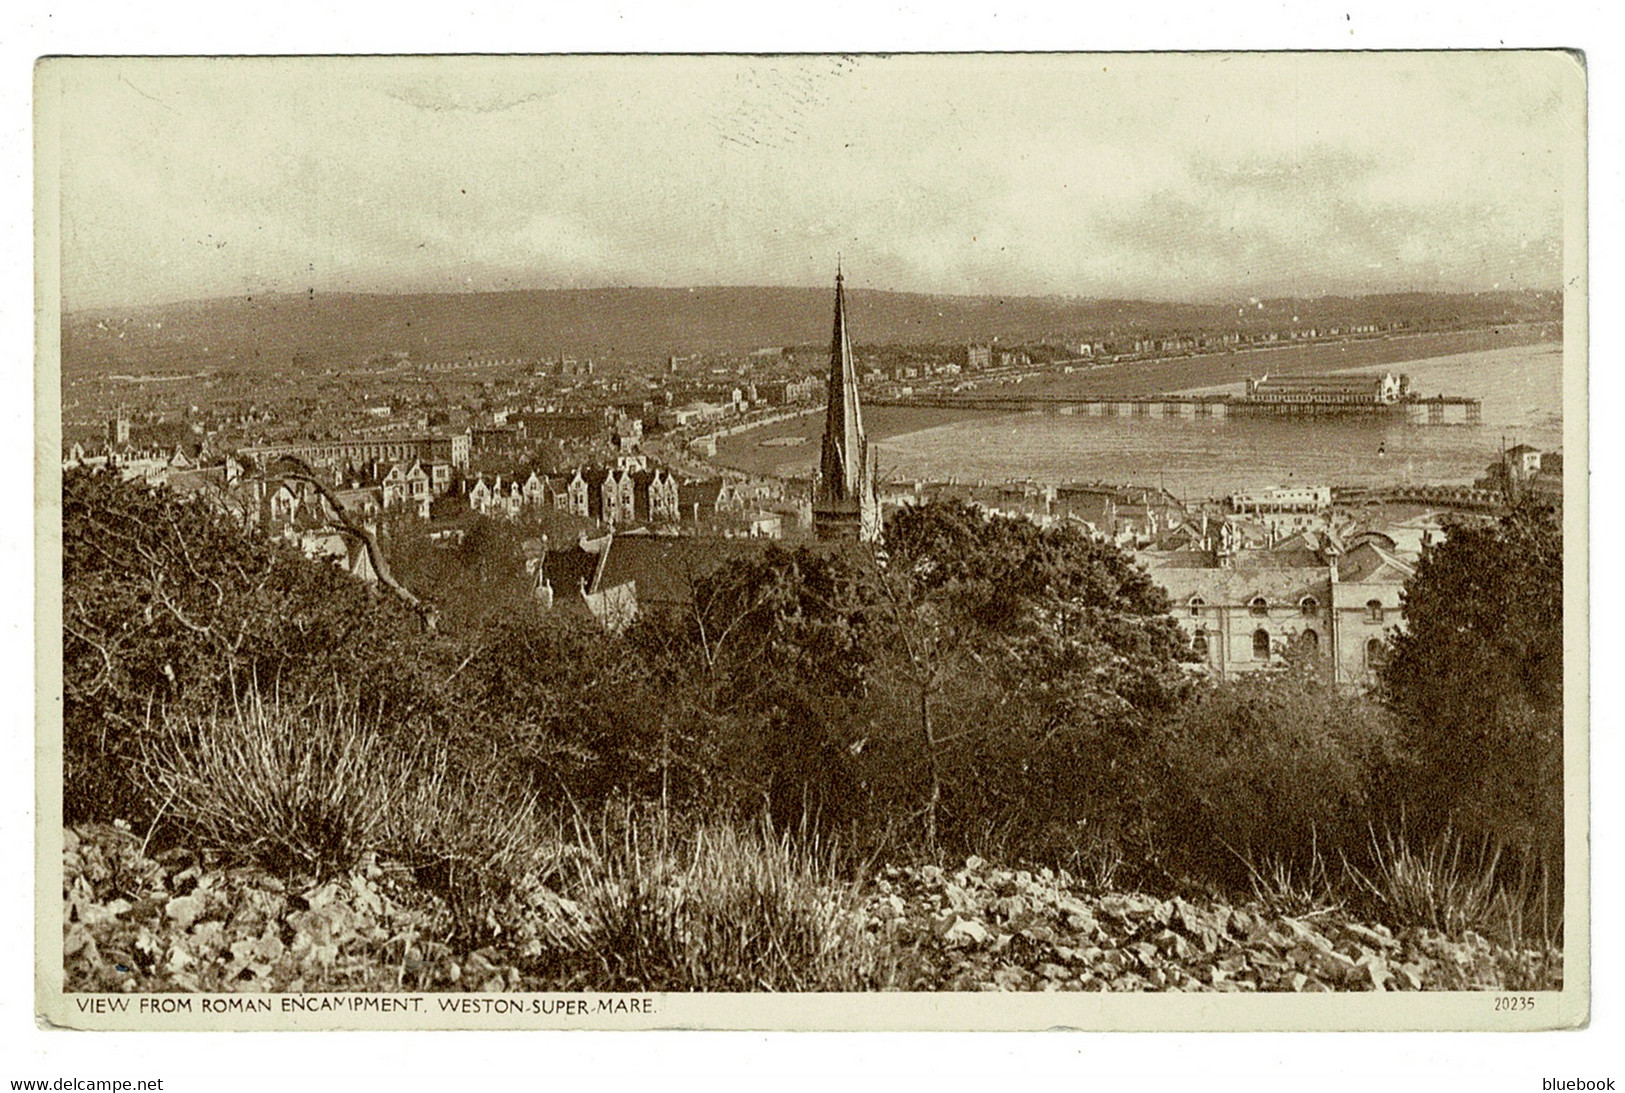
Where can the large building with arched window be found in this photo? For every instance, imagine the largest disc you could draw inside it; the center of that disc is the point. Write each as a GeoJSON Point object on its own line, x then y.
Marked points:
{"type": "Point", "coordinates": [1367, 598]}
{"type": "Point", "coordinates": [1247, 618]}
{"type": "Point", "coordinates": [1332, 609]}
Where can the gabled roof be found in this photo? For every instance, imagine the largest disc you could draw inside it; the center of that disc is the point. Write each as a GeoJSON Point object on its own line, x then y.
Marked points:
{"type": "Point", "coordinates": [570, 569]}
{"type": "Point", "coordinates": [311, 515]}
{"type": "Point", "coordinates": [199, 479]}
{"type": "Point", "coordinates": [665, 568]}
{"type": "Point", "coordinates": [593, 477]}
{"type": "Point", "coordinates": [1369, 563]}
{"type": "Point", "coordinates": [704, 492]}
{"type": "Point", "coordinates": [1096, 508]}
{"type": "Point", "coordinates": [361, 497]}
{"type": "Point", "coordinates": [1180, 537]}
{"type": "Point", "coordinates": [1239, 587]}
{"type": "Point", "coordinates": [1302, 540]}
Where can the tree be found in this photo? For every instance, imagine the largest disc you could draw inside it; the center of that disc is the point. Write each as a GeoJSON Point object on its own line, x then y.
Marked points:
{"type": "Point", "coordinates": [1477, 676]}
{"type": "Point", "coordinates": [171, 604]}
{"type": "Point", "coordinates": [975, 668]}
{"type": "Point", "coordinates": [294, 469]}
{"type": "Point", "coordinates": [1043, 648]}
{"type": "Point", "coordinates": [479, 579]}
{"type": "Point", "coordinates": [570, 712]}
{"type": "Point", "coordinates": [757, 671]}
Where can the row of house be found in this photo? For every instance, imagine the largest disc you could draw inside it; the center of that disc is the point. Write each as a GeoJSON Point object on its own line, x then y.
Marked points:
{"type": "Point", "coordinates": [621, 495]}
{"type": "Point", "coordinates": [149, 464]}
{"type": "Point", "coordinates": [1248, 596]}
{"type": "Point", "coordinates": [290, 507]}
{"type": "Point", "coordinates": [632, 493]}
{"type": "Point", "coordinates": [1129, 516]}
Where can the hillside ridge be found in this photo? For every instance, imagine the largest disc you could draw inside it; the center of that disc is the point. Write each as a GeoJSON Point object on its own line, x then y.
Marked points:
{"type": "Point", "coordinates": [652, 322]}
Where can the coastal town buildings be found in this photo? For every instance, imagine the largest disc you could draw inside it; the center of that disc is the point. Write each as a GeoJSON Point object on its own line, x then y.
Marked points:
{"type": "Point", "coordinates": [1257, 579]}
{"type": "Point", "coordinates": [1366, 601]}
{"type": "Point", "coordinates": [449, 448]}
{"type": "Point", "coordinates": [1252, 616]}
{"type": "Point", "coordinates": [1286, 509]}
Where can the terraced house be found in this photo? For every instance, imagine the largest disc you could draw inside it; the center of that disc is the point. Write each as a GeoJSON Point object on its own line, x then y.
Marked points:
{"type": "Point", "coordinates": [626, 494]}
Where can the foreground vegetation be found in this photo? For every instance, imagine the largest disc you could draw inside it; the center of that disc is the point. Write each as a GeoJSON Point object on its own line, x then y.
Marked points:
{"type": "Point", "coordinates": [728, 910]}
{"type": "Point", "coordinates": [275, 780]}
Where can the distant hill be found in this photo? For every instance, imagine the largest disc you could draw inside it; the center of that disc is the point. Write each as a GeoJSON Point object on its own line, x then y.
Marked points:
{"type": "Point", "coordinates": [647, 323]}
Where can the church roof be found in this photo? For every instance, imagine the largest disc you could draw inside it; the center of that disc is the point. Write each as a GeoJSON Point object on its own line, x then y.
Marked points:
{"type": "Point", "coordinates": [840, 462]}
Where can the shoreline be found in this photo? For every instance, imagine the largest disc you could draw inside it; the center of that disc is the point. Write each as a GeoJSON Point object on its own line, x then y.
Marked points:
{"type": "Point", "coordinates": [748, 450]}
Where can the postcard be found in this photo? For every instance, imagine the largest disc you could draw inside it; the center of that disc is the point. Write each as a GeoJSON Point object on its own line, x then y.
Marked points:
{"type": "Point", "coordinates": [914, 541]}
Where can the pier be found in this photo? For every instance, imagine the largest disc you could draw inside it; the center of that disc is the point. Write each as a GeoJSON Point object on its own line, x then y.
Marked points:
{"type": "Point", "coordinates": [1439, 410]}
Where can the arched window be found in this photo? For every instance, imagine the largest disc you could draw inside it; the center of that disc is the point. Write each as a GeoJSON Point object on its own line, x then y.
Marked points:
{"type": "Point", "coordinates": [1199, 644]}
{"type": "Point", "coordinates": [1261, 644]}
{"type": "Point", "coordinates": [1309, 606]}
{"type": "Point", "coordinates": [1373, 610]}
{"type": "Point", "coordinates": [1259, 607]}
{"type": "Point", "coordinates": [1310, 642]}
{"type": "Point", "coordinates": [1196, 605]}
{"type": "Point", "coordinates": [1374, 653]}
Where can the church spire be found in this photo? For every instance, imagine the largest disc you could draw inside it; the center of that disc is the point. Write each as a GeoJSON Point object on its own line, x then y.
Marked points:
{"type": "Point", "coordinates": [844, 492]}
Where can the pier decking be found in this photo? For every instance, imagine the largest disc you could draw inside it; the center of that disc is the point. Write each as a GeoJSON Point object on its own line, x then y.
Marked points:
{"type": "Point", "coordinates": [1439, 410]}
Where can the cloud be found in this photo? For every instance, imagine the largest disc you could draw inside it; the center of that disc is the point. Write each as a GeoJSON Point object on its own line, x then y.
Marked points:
{"type": "Point", "coordinates": [1314, 167]}
{"type": "Point", "coordinates": [1158, 175]}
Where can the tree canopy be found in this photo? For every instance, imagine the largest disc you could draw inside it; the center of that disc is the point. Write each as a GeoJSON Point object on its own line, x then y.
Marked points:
{"type": "Point", "coordinates": [1477, 675]}
{"type": "Point", "coordinates": [170, 604]}
{"type": "Point", "coordinates": [971, 664]}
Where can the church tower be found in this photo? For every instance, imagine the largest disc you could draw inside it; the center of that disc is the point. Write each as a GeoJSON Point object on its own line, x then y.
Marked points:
{"type": "Point", "coordinates": [844, 505]}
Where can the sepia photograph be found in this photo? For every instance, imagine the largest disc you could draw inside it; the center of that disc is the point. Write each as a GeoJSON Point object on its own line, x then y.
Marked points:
{"type": "Point", "coordinates": [817, 541]}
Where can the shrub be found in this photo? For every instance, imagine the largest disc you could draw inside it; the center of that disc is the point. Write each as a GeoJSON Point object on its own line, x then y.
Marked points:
{"type": "Point", "coordinates": [172, 606]}
{"type": "Point", "coordinates": [1268, 769]}
{"type": "Point", "coordinates": [577, 715]}
{"type": "Point", "coordinates": [315, 789]}
{"type": "Point", "coordinates": [303, 788]}
{"type": "Point", "coordinates": [1444, 884]}
{"type": "Point", "coordinates": [721, 909]}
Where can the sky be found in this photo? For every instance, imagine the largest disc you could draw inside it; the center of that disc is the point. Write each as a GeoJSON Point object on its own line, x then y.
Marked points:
{"type": "Point", "coordinates": [1162, 176]}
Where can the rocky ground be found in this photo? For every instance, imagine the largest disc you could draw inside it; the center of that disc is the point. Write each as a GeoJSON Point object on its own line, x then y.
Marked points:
{"type": "Point", "coordinates": [134, 922]}
{"type": "Point", "coordinates": [983, 927]}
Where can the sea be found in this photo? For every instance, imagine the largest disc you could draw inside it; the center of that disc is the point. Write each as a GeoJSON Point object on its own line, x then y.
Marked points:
{"type": "Point", "coordinates": [1521, 388]}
